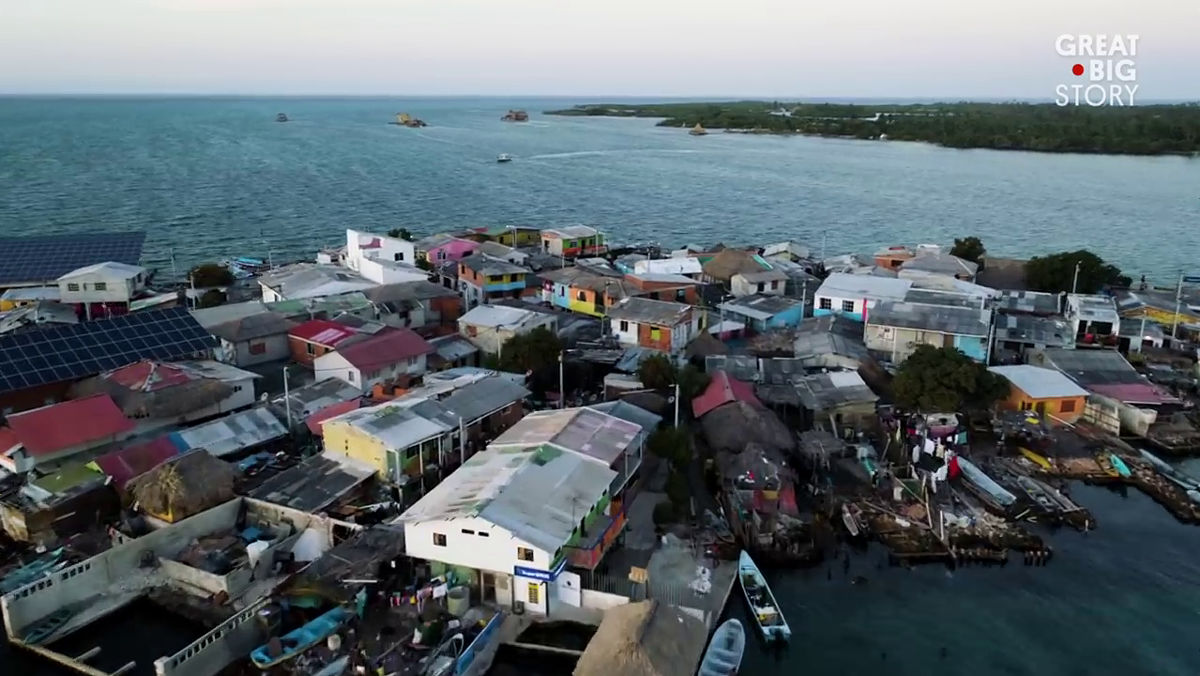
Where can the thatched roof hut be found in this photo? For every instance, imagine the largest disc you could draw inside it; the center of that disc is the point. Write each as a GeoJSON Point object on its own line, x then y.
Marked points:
{"type": "Point", "coordinates": [187, 485]}
{"type": "Point", "coordinates": [730, 262]}
{"type": "Point", "coordinates": [150, 389]}
{"type": "Point", "coordinates": [644, 639]}
{"type": "Point", "coordinates": [733, 426]}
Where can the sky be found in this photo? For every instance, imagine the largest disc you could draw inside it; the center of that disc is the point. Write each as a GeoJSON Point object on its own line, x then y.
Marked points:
{"type": "Point", "coordinates": [795, 48]}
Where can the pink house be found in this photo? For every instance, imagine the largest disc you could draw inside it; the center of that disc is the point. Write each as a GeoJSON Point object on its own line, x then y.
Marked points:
{"type": "Point", "coordinates": [439, 248]}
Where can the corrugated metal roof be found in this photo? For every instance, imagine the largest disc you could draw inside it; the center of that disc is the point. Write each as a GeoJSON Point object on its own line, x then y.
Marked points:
{"type": "Point", "coordinates": [586, 431]}
{"type": "Point", "coordinates": [647, 311]}
{"type": "Point", "coordinates": [58, 427]}
{"type": "Point", "coordinates": [842, 285]}
{"type": "Point", "coordinates": [133, 461]}
{"type": "Point", "coordinates": [231, 434]}
{"type": "Point", "coordinates": [721, 390]}
{"type": "Point", "coordinates": [959, 321]}
{"type": "Point", "coordinates": [314, 484]}
{"type": "Point", "coordinates": [1038, 382]}
{"type": "Point", "coordinates": [484, 397]}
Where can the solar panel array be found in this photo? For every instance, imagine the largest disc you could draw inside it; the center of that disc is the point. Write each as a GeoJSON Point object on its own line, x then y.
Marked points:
{"type": "Point", "coordinates": [46, 258]}
{"type": "Point", "coordinates": [74, 351]}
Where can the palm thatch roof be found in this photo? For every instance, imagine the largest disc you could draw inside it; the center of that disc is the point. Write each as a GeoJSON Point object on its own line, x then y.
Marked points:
{"type": "Point", "coordinates": [730, 262]}
{"type": "Point", "coordinates": [187, 485]}
{"type": "Point", "coordinates": [732, 426]}
{"type": "Point", "coordinates": [644, 639]}
{"type": "Point", "coordinates": [705, 345]}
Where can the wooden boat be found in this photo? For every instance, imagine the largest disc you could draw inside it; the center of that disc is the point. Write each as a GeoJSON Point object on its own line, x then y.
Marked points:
{"type": "Point", "coordinates": [1036, 458]}
{"type": "Point", "coordinates": [297, 641]}
{"type": "Point", "coordinates": [1179, 478]}
{"type": "Point", "coordinates": [281, 118]}
{"type": "Point", "coordinates": [504, 157]}
{"type": "Point", "coordinates": [1037, 494]}
{"type": "Point", "coordinates": [698, 130]}
{"type": "Point", "coordinates": [1119, 465]}
{"type": "Point", "coordinates": [516, 116]}
{"type": "Point", "coordinates": [852, 519]}
{"type": "Point", "coordinates": [406, 120]}
{"type": "Point", "coordinates": [762, 603]}
{"type": "Point", "coordinates": [46, 627]}
{"type": "Point", "coordinates": [724, 654]}
{"type": "Point", "coordinates": [1104, 460]}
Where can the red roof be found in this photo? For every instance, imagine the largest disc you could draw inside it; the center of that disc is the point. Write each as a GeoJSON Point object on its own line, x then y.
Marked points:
{"type": "Point", "coordinates": [385, 349]}
{"type": "Point", "coordinates": [1134, 393]}
{"type": "Point", "coordinates": [51, 429]}
{"type": "Point", "coordinates": [322, 332]}
{"type": "Point", "coordinates": [136, 460]}
{"type": "Point", "coordinates": [314, 421]}
{"type": "Point", "coordinates": [148, 376]}
{"type": "Point", "coordinates": [722, 390]}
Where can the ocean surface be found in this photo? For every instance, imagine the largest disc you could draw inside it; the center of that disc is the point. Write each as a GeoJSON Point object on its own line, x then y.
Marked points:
{"type": "Point", "coordinates": [212, 178]}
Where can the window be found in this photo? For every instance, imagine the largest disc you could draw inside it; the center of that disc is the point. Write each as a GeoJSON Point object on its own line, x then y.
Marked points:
{"type": "Point", "coordinates": [760, 287]}
{"type": "Point", "coordinates": [439, 539]}
{"type": "Point", "coordinates": [441, 255]}
{"type": "Point", "coordinates": [468, 531]}
{"type": "Point", "coordinates": [310, 349]}
{"type": "Point", "coordinates": [535, 588]}
{"type": "Point", "coordinates": [775, 284]}
{"type": "Point", "coordinates": [655, 333]}
{"type": "Point", "coordinates": [624, 326]}
{"type": "Point", "coordinates": [483, 534]}
{"type": "Point", "coordinates": [258, 348]}
{"type": "Point", "coordinates": [681, 295]}
{"type": "Point", "coordinates": [237, 388]}
{"type": "Point", "coordinates": [562, 290]}
{"type": "Point", "coordinates": [350, 375]}
{"type": "Point", "coordinates": [524, 554]}
{"type": "Point", "coordinates": [101, 286]}
{"type": "Point", "coordinates": [399, 256]}
{"type": "Point", "coordinates": [71, 286]}
{"type": "Point", "coordinates": [412, 361]}
{"type": "Point", "coordinates": [1066, 406]}
{"type": "Point", "coordinates": [825, 304]}
{"type": "Point", "coordinates": [847, 306]}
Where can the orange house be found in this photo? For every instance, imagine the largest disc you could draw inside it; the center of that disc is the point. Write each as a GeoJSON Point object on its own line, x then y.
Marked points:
{"type": "Point", "coordinates": [675, 288]}
{"type": "Point", "coordinates": [1048, 392]}
{"type": "Point", "coordinates": [893, 257]}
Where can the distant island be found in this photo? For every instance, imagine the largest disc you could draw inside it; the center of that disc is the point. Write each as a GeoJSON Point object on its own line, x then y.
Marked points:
{"type": "Point", "coordinates": [1138, 130]}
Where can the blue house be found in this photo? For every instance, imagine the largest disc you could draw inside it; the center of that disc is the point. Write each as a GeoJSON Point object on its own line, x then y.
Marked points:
{"type": "Point", "coordinates": [853, 295]}
{"type": "Point", "coordinates": [894, 330]}
{"type": "Point", "coordinates": [762, 312]}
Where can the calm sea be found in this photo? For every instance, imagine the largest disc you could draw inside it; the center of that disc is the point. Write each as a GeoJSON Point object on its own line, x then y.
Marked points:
{"type": "Point", "coordinates": [212, 178]}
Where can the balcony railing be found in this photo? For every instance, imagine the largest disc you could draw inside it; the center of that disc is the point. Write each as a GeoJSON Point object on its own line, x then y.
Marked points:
{"type": "Point", "coordinates": [587, 553]}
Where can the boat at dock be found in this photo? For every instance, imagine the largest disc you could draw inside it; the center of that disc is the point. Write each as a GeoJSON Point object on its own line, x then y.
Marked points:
{"type": "Point", "coordinates": [297, 641]}
{"type": "Point", "coordinates": [1036, 458]}
{"type": "Point", "coordinates": [1119, 465]}
{"type": "Point", "coordinates": [243, 266]}
{"type": "Point", "coordinates": [763, 607]}
{"type": "Point", "coordinates": [1104, 460]}
{"type": "Point", "coordinates": [985, 487]}
{"type": "Point", "coordinates": [852, 519]}
{"type": "Point", "coordinates": [1181, 479]}
{"type": "Point", "coordinates": [504, 157]}
{"type": "Point", "coordinates": [1037, 495]}
{"type": "Point", "coordinates": [724, 654]}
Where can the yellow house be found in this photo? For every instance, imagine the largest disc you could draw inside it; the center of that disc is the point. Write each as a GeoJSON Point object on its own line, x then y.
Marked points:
{"type": "Point", "coordinates": [398, 438]}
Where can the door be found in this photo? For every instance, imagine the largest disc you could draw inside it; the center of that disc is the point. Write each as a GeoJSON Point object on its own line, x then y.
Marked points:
{"type": "Point", "coordinates": [489, 588]}
{"type": "Point", "coordinates": [1040, 408]}
{"type": "Point", "coordinates": [394, 468]}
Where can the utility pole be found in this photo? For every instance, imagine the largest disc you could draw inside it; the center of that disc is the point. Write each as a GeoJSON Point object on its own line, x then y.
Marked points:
{"type": "Point", "coordinates": [1075, 281]}
{"type": "Point", "coordinates": [287, 400]}
{"type": "Point", "coordinates": [676, 404]}
{"type": "Point", "coordinates": [562, 395]}
{"type": "Point", "coordinates": [462, 442]}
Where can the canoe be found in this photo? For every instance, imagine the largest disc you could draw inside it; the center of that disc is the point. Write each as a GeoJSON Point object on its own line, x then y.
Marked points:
{"type": "Point", "coordinates": [763, 608]}
{"type": "Point", "coordinates": [1119, 465]}
{"type": "Point", "coordinates": [299, 640]}
{"type": "Point", "coordinates": [849, 521]}
{"type": "Point", "coordinates": [1037, 458]}
{"type": "Point", "coordinates": [1037, 494]}
{"type": "Point", "coordinates": [46, 627]}
{"type": "Point", "coordinates": [985, 483]}
{"type": "Point", "coordinates": [724, 654]}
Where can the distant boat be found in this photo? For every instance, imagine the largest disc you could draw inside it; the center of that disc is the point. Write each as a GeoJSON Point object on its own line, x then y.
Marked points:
{"type": "Point", "coordinates": [297, 641]}
{"type": "Point", "coordinates": [281, 118]}
{"type": "Point", "coordinates": [515, 116]}
{"type": "Point", "coordinates": [698, 130]}
{"type": "Point", "coordinates": [406, 120]}
{"type": "Point", "coordinates": [763, 607]}
{"type": "Point", "coordinates": [244, 267]}
{"type": "Point", "coordinates": [504, 157]}
{"type": "Point", "coordinates": [724, 654]}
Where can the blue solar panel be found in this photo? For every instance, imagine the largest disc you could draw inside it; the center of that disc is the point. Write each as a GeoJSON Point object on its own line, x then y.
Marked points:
{"type": "Point", "coordinates": [37, 260]}
{"type": "Point", "coordinates": [77, 351]}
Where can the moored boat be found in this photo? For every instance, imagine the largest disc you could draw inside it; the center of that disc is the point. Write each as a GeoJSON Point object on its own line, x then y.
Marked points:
{"type": "Point", "coordinates": [281, 118]}
{"type": "Point", "coordinates": [1036, 458]}
{"type": "Point", "coordinates": [852, 519]}
{"type": "Point", "coordinates": [1104, 460]}
{"type": "Point", "coordinates": [724, 654]}
{"type": "Point", "coordinates": [698, 130]}
{"type": "Point", "coordinates": [763, 607]}
{"type": "Point", "coordinates": [1119, 465]}
{"type": "Point", "coordinates": [1037, 494]}
{"type": "Point", "coordinates": [299, 640]}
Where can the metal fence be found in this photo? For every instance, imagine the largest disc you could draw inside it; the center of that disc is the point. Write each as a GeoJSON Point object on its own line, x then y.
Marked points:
{"type": "Point", "coordinates": [663, 592]}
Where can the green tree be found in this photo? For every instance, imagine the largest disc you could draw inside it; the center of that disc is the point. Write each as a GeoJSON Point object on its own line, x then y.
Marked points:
{"type": "Point", "coordinates": [671, 444]}
{"type": "Point", "coordinates": [692, 381]}
{"type": "Point", "coordinates": [211, 298]}
{"type": "Point", "coordinates": [424, 264]}
{"type": "Point", "coordinates": [968, 249]}
{"type": "Point", "coordinates": [401, 233]}
{"type": "Point", "coordinates": [943, 379]}
{"type": "Point", "coordinates": [531, 351]}
{"type": "Point", "coordinates": [1056, 273]}
{"type": "Point", "coordinates": [657, 372]}
{"type": "Point", "coordinates": [210, 274]}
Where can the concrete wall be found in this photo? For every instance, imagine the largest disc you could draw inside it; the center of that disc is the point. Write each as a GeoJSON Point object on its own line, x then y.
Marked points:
{"type": "Point", "coordinates": [229, 641]}
{"type": "Point", "coordinates": [497, 551]}
{"type": "Point", "coordinates": [602, 600]}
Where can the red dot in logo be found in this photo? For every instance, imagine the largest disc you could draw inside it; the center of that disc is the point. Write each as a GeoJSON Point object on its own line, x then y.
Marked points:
{"type": "Point", "coordinates": [1077, 69]}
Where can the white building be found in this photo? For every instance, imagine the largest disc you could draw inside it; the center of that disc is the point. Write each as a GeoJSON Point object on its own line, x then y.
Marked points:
{"type": "Point", "coordinates": [686, 266]}
{"type": "Point", "coordinates": [309, 280]}
{"type": "Point", "coordinates": [853, 295]}
{"type": "Point", "coordinates": [488, 327]}
{"type": "Point", "coordinates": [1094, 319]}
{"type": "Point", "coordinates": [362, 246]}
{"type": "Point", "coordinates": [102, 283]}
{"type": "Point", "coordinates": [380, 358]}
{"type": "Point", "coordinates": [508, 517]}
{"type": "Point", "coordinates": [767, 282]}
{"type": "Point", "coordinates": [655, 324]}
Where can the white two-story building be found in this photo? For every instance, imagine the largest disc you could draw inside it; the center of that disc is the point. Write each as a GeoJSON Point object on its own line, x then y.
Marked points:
{"type": "Point", "coordinates": [504, 521]}
{"type": "Point", "coordinates": [102, 287]}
